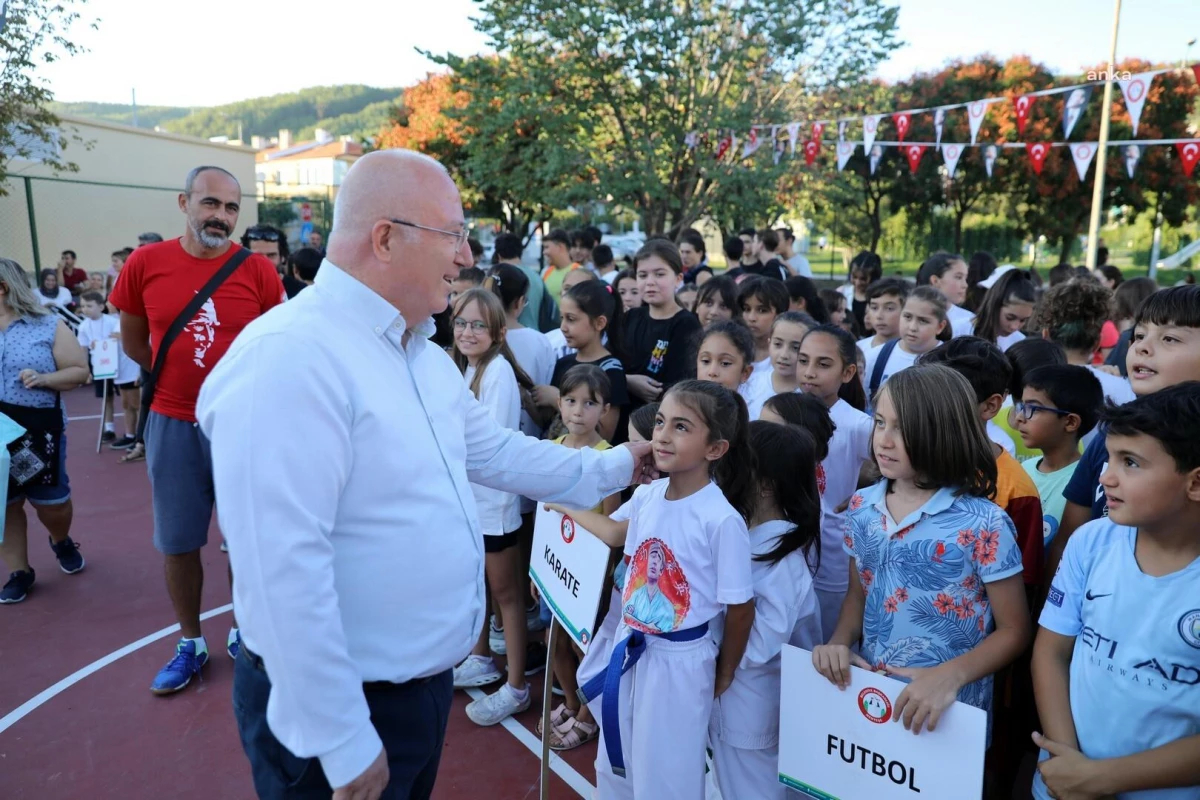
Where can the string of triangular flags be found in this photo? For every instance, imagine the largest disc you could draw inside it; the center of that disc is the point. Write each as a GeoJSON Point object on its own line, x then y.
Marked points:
{"type": "Point", "coordinates": [1134, 88]}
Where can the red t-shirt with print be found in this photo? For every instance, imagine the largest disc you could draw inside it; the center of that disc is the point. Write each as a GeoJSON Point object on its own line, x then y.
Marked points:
{"type": "Point", "coordinates": [159, 280]}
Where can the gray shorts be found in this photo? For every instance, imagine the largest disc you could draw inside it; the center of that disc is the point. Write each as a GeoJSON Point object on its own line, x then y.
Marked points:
{"type": "Point", "coordinates": [181, 484]}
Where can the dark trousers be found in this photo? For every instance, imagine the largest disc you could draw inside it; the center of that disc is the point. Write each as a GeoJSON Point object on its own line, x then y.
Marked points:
{"type": "Point", "coordinates": [410, 719]}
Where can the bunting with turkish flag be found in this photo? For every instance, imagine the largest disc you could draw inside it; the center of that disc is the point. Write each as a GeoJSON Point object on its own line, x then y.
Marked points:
{"type": "Point", "coordinates": [870, 128]}
{"type": "Point", "coordinates": [1189, 152]}
{"type": "Point", "coordinates": [1132, 154]}
{"type": "Point", "coordinates": [1073, 108]}
{"type": "Point", "coordinates": [1135, 90]}
{"type": "Point", "coordinates": [844, 151]}
{"type": "Point", "coordinates": [950, 154]}
{"type": "Point", "coordinates": [874, 156]}
{"type": "Point", "coordinates": [1083, 154]}
{"type": "Point", "coordinates": [818, 128]}
{"type": "Point", "coordinates": [752, 144]}
{"type": "Point", "coordinates": [725, 145]}
{"type": "Point", "coordinates": [990, 153]}
{"type": "Point", "coordinates": [811, 148]}
{"type": "Point", "coordinates": [1024, 106]}
{"type": "Point", "coordinates": [939, 122]}
{"type": "Point", "coordinates": [903, 120]}
{"type": "Point", "coordinates": [1037, 154]}
{"type": "Point", "coordinates": [975, 113]}
{"type": "Point", "coordinates": [793, 130]}
{"type": "Point", "coordinates": [842, 126]}
{"type": "Point", "coordinates": [913, 153]}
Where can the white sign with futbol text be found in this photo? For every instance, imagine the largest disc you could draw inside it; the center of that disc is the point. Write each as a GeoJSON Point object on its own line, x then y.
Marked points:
{"type": "Point", "coordinates": [568, 565]}
{"type": "Point", "coordinates": [843, 744]}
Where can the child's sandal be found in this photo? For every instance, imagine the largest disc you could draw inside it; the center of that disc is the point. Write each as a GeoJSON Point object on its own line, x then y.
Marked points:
{"type": "Point", "coordinates": [559, 717]}
{"type": "Point", "coordinates": [576, 734]}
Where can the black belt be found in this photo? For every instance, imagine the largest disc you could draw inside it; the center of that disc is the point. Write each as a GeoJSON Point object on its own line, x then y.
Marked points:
{"type": "Point", "coordinates": [368, 686]}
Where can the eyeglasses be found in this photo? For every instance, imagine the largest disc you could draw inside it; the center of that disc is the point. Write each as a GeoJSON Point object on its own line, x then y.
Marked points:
{"type": "Point", "coordinates": [460, 236]}
{"type": "Point", "coordinates": [1026, 410]}
{"type": "Point", "coordinates": [476, 325]}
{"type": "Point", "coordinates": [262, 235]}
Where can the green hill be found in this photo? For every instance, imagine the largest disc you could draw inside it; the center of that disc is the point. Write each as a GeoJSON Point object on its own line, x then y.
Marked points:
{"type": "Point", "coordinates": [358, 111]}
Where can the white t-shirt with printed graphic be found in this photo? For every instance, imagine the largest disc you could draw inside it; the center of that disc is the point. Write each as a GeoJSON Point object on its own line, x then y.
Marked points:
{"type": "Point", "coordinates": [687, 559]}
{"type": "Point", "coordinates": [849, 447]}
{"type": "Point", "coordinates": [1135, 670]}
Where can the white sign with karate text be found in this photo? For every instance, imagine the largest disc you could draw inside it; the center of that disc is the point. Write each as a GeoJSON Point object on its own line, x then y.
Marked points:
{"type": "Point", "coordinates": [568, 565]}
{"type": "Point", "coordinates": [104, 359]}
{"type": "Point", "coordinates": [843, 744]}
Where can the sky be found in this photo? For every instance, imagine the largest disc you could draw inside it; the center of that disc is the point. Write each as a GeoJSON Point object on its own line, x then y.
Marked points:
{"type": "Point", "coordinates": [248, 49]}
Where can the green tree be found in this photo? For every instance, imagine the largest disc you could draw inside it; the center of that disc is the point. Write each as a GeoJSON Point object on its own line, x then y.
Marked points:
{"type": "Point", "coordinates": [629, 80]}
{"type": "Point", "coordinates": [34, 33]}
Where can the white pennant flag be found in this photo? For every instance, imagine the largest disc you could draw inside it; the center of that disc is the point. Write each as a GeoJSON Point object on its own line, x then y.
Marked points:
{"type": "Point", "coordinates": [990, 153]}
{"type": "Point", "coordinates": [951, 153]}
{"type": "Point", "coordinates": [691, 140]}
{"type": "Point", "coordinates": [1133, 154]}
{"type": "Point", "coordinates": [1083, 154]}
{"type": "Point", "coordinates": [939, 121]}
{"type": "Point", "coordinates": [842, 125]}
{"type": "Point", "coordinates": [793, 130]}
{"type": "Point", "coordinates": [975, 113]}
{"type": "Point", "coordinates": [876, 155]}
{"type": "Point", "coordinates": [1135, 90]}
{"type": "Point", "coordinates": [870, 127]}
{"type": "Point", "coordinates": [752, 143]}
{"type": "Point", "coordinates": [844, 151]}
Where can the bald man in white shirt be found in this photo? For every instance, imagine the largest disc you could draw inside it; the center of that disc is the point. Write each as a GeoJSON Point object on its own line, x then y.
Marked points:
{"type": "Point", "coordinates": [354, 540]}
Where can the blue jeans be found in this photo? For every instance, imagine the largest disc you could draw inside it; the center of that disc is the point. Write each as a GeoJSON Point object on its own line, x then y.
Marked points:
{"type": "Point", "coordinates": [409, 717]}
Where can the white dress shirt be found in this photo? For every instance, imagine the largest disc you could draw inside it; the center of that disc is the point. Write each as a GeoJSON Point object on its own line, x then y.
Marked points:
{"type": "Point", "coordinates": [498, 393]}
{"type": "Point", "coordinates": [342, 460]}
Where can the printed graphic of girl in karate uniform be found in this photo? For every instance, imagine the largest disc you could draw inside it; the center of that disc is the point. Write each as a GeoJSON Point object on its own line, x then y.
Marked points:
{"type": "Point", "coordinates": [657, 592]}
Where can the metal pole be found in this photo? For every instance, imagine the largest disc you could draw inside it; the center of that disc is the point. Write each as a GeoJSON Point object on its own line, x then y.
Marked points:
{"type": "Point", "coordinates": [832, 240]}
{"type": "Point", "coordinates": [1154, 246]}
{"type": "Point", "coordinates": [547, 699]}
{"type": "Point", "coordinates": [33, 234]}
{"type": "Point", "coordinates": [1102, 156]}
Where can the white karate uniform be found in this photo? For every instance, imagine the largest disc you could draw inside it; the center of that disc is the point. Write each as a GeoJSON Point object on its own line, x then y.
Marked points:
{"type": "Point", "coordinates": [689, 558]}
{"type": "Point", "coordinates": [744, 727]}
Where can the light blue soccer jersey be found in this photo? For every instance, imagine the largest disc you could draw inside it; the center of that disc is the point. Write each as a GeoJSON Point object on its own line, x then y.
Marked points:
{"type": "Point", "coordinates": [1135, 671]}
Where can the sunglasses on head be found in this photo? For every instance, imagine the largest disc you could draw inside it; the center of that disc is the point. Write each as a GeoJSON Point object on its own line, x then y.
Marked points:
{"type": "Point", "coordinates": [262, 235]}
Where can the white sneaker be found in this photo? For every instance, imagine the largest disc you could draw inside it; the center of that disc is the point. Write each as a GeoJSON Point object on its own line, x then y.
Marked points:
{"type": "Point", "coordinates": [476, 671]}
{"type": "Point", "coordinates": [496, 639]}
{"type": "Point", "coordinates": [497, 706]}
{"type": "Point", "coordinates": [224, 547]}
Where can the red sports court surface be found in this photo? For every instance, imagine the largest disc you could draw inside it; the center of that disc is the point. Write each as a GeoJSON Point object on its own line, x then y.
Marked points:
{"type": "Point", "coordinates": [77, 719]}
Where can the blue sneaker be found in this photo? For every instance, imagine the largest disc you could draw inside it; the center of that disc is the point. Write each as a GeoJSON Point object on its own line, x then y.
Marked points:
{"type": "Point", "coordinates": [179, 670]}
{"type": "Point", "coordinates": [233, 643]}
{"type": "Point", "coordinates": [18, 586]}
{"type": "Point", "coordinates": [67, 553]}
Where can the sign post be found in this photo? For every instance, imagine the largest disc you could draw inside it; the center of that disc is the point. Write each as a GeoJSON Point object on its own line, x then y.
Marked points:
{"type": "Point", "coordinates": [547, 699]}
{"type": "Point", "coordinates": [844, 743]}
{"type": "Point", "coordinates": [103, 356]}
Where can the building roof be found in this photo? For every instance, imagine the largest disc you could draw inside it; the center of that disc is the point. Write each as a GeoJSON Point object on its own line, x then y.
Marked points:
{"type": "Point", "coordinates": [314, 149]}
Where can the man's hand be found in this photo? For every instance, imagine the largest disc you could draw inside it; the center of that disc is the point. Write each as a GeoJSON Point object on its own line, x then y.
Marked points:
{"type": "Point", "coordinates": [369, 785]}
{"type": "Point", "coordinates": [644, 470]}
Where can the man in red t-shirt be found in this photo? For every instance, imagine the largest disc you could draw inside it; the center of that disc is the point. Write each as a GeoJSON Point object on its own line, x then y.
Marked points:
{"type": "Point", "coordinates": [155, 285]}
{"type": "Point", "coordinates": [72, 279]}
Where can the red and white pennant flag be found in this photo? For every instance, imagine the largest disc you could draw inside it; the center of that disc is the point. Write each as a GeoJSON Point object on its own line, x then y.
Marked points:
{"type": "Point", "coordinates": [950, 154]}
{"type": "Point", "coordinates": [903, 121]}
{"type": "Point", "coordinates": [913, 153]}
{"type": "Point", "coordinates": [752, 143]}
{"type": "Point", "coordinates": [975, 113]}
{"type": "Point", "coordinates": [818, 128]}
{"type": "Point", "coordinates": [1024, 106]}
{"type": "Point", "coordinates": [811, 148]}
{"type": "Point", "coordinates": [1083, 154]}
{"type": "Point", "coordinates": [793, 130]}
{"type": "Point", "coordinates": [1135, 90]}
{"type": "Point", "coordinates": [1037, 154]}
{"type": "Point", "coordinates": [1189, 152]}
{"type": "Point", "coordinates": [844, 151]}
{"type": "Point", "coordinates": [870, 128]}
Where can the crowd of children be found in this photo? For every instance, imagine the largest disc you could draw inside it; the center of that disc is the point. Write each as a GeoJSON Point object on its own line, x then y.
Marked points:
{"type": "Point", "coordinates": [909, 479]}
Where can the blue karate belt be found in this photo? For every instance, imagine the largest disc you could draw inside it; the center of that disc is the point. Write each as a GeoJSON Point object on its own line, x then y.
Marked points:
{"type": "Point", "coordinates": [627, 653]}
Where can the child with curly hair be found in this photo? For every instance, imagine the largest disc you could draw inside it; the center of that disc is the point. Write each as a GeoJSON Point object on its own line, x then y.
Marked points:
{"type": "Point", "coordinates": [1072, 315]}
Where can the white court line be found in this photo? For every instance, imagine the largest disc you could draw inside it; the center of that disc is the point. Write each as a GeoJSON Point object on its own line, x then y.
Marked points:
{"type": "Point", "coordinates": [522, 734]}
{"type": "Point", "coordinates": [93, 416]}
{"type": "Point", "coordinates": [526, 737]}
{"type": "Point", "coordinates": [23, 710]}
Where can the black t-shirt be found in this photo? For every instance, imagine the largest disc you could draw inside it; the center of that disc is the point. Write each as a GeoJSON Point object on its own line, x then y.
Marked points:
{"type": "Point", "coordinates": [772, 269]}
{"type": "Point", "coordinates": [658, 348]}
{"type": "Point", "coordinates": [293, 286]}
{"type": "Point", "coordinates": [859, 309]}
{"type": "Point", "coordinates": [615, 370]}
{"type": "Point", "coordinates": [689, 276]}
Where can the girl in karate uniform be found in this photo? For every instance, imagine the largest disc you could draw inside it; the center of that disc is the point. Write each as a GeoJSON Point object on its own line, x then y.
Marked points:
{"type": "Point", "coordinates": [785, 537]}
{"type": "Point", "coordinates": [688, 552]}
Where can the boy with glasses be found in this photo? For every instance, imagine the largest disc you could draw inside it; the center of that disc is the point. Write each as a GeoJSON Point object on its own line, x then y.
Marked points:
{"type": "Point", "coordinates": [1060, 405]}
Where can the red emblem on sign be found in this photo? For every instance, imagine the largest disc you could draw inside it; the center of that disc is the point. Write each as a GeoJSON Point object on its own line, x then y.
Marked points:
{"type": "Point", "coordinates": [1024, 105]}
{"type": "Point", "coordinates": [1037, 155]}
{"type": "Point", "coordinates": [913, 153]}
{"type": "Point", "coordinates": [810, 151]}
{"type": "Point", "coordinates": [1190, 153]}
{"type": "Point", "coordinates": [903, 120]}
{"type": "Point", "coordinates": [875, 705]}
{"type": "Point", "coordinates": [567, 529]}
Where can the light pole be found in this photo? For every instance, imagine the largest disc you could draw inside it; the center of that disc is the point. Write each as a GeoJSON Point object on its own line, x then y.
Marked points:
{"type": "Point", "coordinates": [1187, 53]}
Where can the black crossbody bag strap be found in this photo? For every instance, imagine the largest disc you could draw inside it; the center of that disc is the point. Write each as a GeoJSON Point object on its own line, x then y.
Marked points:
{"type": "Point", "coordinates": [177, 327]}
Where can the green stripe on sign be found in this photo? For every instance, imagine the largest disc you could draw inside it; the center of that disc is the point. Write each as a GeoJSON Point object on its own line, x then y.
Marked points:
{"type": "Point", "coordinates": [804, 789]}
{"type": "Point", "coordinates": [558, 614]}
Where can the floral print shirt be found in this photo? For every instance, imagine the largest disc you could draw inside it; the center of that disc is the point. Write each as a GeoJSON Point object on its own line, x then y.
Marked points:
{"type": "Point", "coordinates": [924, 578]}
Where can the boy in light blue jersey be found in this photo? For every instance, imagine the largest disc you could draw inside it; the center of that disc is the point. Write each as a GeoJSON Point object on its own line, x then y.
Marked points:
{"type": "Point", "coordinates": [1116, 666]}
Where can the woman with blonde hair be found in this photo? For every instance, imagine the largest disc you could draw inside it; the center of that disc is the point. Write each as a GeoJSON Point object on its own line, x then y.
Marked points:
{"type": "Point", "coordinates": [39, 359]}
